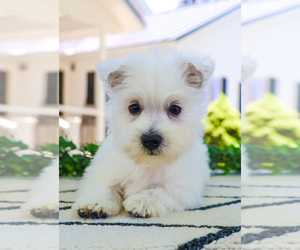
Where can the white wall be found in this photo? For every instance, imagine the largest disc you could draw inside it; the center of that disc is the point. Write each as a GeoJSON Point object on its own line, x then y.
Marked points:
{"type": "Point", "coordinates": [75, 81]}
{"type": "Point", "coordinates": [222, 40]}
{"type": "Point", "coordinates": [28, 87]}
{"type": "Point", "coordinates": [275, 43]}
{"type": "Point", "coordinates": [11, 69]}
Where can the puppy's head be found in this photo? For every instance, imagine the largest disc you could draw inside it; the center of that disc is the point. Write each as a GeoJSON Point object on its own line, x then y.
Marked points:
{"type": "Point", "coordinates": [156, 102]}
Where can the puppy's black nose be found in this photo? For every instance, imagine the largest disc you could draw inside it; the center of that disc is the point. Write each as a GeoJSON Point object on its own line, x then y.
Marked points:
{"type": "Point", "coordinates": [151, 141]}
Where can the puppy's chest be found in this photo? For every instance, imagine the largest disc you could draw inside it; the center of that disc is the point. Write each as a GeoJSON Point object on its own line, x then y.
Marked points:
{"type": "Point", "coordinates": [144, 178]}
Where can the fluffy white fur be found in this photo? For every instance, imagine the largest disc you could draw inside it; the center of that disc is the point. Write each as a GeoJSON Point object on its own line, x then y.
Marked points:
{"type": "Point", "coordinates": [122, 174]}
{"type": "Point", "coordinates": [248, 67]}
{"type": "Point", "coordinates": [44, 195]}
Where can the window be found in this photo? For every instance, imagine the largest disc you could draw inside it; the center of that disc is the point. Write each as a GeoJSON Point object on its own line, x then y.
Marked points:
{"type": "Point", "coordinates": [298, 97]}
{"type": "Point", "coordinates": [215, 88]}
{"type": "Point", "coordinates": [2, 89]}
{"type": "Point", "coordinates": [240, 97]}
{"type": "Point", "coordinates": [52, 88]}
{"type": "Point", "coordinates": [90, 88]}
{"type": "Point", "coordinates": [272, 85]}
{"type": "Point", "coordinates": [224, 85]}
{"type": "Point", "coordinates": [61, 87]}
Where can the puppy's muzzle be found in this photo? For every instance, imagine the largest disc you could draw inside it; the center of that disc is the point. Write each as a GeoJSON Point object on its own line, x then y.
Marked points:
{"type": "Point", "coordinates": [151, 141]}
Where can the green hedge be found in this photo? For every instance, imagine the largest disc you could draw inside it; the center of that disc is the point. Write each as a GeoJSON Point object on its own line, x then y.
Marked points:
{"type": "Point", "coordinates": [223, 123]}
{"type": "Point", "coordinates": [72, 163]}
{"type": "Point", "coordinates": [268, 123]}
{"type": "Point", "coordinates": [271, 136]}
{"type": "Point", "coordinates": [12, 164]}
{"type": "Point", "coordinates": [275, 158]}
{"type": "Point", "coordinates": [227, 159]}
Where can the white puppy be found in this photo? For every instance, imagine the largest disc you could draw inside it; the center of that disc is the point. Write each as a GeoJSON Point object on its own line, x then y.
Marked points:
{"type": "Point", "coordinates": [153, 161]}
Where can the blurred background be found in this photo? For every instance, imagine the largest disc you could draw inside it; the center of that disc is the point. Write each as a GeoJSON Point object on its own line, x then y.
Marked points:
{"type": "Point", "coordinates": [271, 94]}
{"type": "Point", "coordinates": [29, 66]}
{"type": "Point", "coordinates": [28, 71]}
{"type": "Point", "coordinates": [270, 36]}
{"type": "Point", "coordinates": [29, 63]}
{"type": "Point", "coordinates": [270, 41]}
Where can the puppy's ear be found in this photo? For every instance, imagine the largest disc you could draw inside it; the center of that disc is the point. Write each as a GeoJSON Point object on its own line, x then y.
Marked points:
{"type": "Point", "coordinates": [111, 71]}
{"type": "Point", "coordinates": [197, 69]}
{"type": "Point", "coordinates": [193, 76]}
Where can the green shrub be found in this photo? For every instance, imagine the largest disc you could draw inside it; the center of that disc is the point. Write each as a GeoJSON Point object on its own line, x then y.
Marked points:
{"type": "Point", "coordinates": [268, 123]}
{"type": "Point", "coordinates": [271, 136]}
{"type": "Point", "coordinates": [223, 124]}
{"type": "Point", "coordinates": [16, 164]}
{"type": "Point", "coordinates": [227, 159]}
{"type": "Point", "coordinates": [276, 158]}
{"type": "Point", "coordinates": [73, 161]}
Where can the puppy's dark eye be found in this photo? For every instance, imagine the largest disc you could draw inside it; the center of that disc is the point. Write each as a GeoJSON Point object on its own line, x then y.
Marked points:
{"type": "Point", "coordinates": [175, 110]}
{"type": "Point", "coordinates": [134, 108]}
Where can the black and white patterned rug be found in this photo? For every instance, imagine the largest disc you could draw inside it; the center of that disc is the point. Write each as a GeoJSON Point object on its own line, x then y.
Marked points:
{"type": "Point", "coordinates": [19, 229]}
{"type": "Point", "coordinates": [271, 212]}
{"type": "Point", "coordinates": [270, 220]}
{"type": "Point", "coordinates": [215, 226]}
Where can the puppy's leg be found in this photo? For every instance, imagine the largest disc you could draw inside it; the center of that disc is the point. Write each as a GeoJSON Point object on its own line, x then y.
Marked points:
{"type": "Point", "coordinates": [98, 203]}
{"type": "Point", "coordinates": [98, 193]}
{"type": "Point", "coordinates": [43, 197]}
{"type": "Point", "coordinates": [153, 202]}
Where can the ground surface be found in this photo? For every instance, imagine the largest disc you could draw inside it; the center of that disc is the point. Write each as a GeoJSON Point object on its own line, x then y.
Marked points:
{"type": "Point", "coordinates": [215, 226]}
{"type": "Point", "coordinates": [270, 220]}
{"type": "Point", "coordinates": [271, 212]}
{"type": "Point", "coordinates": [18, 229]}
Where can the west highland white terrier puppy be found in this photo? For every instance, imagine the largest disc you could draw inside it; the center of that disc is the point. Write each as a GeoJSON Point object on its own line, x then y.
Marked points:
{"type": "Point", "coordinates": [153, 160]}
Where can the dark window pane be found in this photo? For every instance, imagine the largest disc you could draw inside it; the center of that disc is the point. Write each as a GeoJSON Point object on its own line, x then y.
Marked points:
{"type": "Point", "coordinates": [2, 87]}
{"type": "Point", "coordinates": [52, 88]}
{"type": "Point", "coordinates": [224, 85]}
{"type": "Point", "coordinates": [299, 97]}
{"type": "Point", "coordinates": [272, 85]}
{"type": "Point", "coordinates": [90, 88]}
{"type": "Point", "coordinates": [61, 87]}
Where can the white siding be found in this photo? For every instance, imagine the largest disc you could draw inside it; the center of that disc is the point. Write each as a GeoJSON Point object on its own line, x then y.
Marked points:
{"type": "Point", "coordinates": [274, 43]}
{"type": "Point", "coordinates": [222, 40]}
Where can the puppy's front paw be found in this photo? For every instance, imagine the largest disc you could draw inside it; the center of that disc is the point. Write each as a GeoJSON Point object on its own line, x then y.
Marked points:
{"type": "Point", "coordinates": [97, 210]}
{"type": "Point", "coordinates": [97, 205]}
{"type": "Point", "coordinates": [44, 207]}
{"type": "Point", "coordinates": [45, 213]}
{"type": "Point", "coordinates": [144, 206]}
{"type": "Point", "coordinates": [95, 213]}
